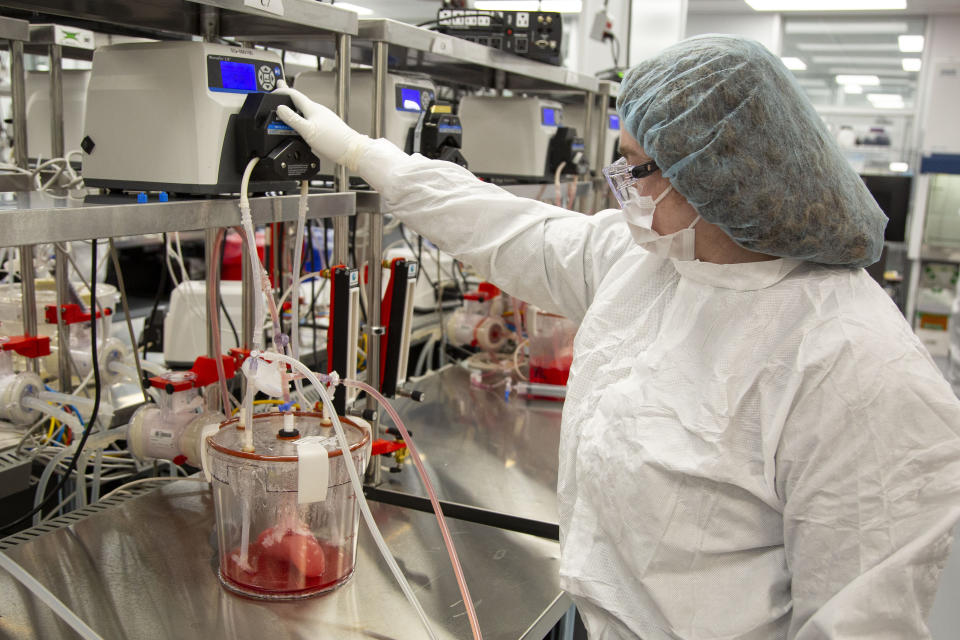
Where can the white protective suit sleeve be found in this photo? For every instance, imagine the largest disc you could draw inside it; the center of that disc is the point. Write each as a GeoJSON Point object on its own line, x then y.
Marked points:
{"type": "Point", "coordinates": [551, 257]}
{"type": "Point", "coordinates": [867, 467]}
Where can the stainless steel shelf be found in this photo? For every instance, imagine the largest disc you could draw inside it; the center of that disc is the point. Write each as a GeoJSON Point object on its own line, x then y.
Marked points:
{"type": "Point", "coordinates": [369, 202]}
{"type": "Point", "coordinates": [461, 62]}
{"type": "Point", "coordinates": [468, 436]}
{"type": "Point", "coordinates": [32, 218]}
{"type": "Point", "coordinates": [15, 182]}
{"type": "Point", "coordinates": [173, 18]}
{"type": "Point", "coordinates": [147, 569]}
{"type": "Point", "coordinates": [939, 253]}
{"type": "Point", "coordinates": [13, 29]}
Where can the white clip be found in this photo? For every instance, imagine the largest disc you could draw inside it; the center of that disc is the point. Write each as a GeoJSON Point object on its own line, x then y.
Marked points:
{"type": "Point", "coordinates": [205, 433]}
{"type": "Point", "coordinates": [313, 469]}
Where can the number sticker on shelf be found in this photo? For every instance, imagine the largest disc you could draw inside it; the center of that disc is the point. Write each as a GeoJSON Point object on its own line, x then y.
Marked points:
{"type": "Point", "coordinates": [270, 6]}
{"type": "Point", "coordinates": [441, 45]}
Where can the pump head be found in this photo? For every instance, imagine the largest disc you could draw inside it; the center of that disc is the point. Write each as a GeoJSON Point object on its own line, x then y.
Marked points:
{"type": "Point", "coordinates": [260, 133]}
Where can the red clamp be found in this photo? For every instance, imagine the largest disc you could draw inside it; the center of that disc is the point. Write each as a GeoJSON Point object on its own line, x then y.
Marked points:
{"type": "Point", "coordinates": [72, 314]}
{"type": "Point", "coordinates": [205, 368]}
{"type": "Point", "coordinates": [381, 446]}
{"type": "Point", "coordinates": [239, 355]}
{"type": "Point", "coordinates": [204, 372]}
{"type": "Point", "coordinates": [28, 346]}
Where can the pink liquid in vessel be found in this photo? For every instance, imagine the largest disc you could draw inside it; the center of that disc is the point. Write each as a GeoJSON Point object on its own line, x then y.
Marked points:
{"type": "Point", "coordinates": [291, 563]}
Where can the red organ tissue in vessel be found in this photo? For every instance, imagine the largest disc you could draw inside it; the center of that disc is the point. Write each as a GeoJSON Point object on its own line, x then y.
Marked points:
{"type": "Point", "coordinates": [271, 545]}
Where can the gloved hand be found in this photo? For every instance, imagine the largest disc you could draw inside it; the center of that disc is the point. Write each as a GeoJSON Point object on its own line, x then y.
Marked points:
{"type": "Point", "coordinates": [323, 130]}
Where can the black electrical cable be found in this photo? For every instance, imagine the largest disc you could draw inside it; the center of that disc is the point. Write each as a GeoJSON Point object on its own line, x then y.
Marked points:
{"type": "Point", "coordinates": [156, 302]}
{"type": "Point", "coordinates": [615, 50]}
{"type": "Point", "coordinates": [419, 255]}
{"type": "Point", "coordinates": [96, 398]}
{"type": "Point", "coordinates": [356, 263]}
{"type": "Point", "coordinates": [466, 285]}
{"type": "Point", "coordinates": [223, 307]}
{"type": "Point", "coordinates": [313, 288]}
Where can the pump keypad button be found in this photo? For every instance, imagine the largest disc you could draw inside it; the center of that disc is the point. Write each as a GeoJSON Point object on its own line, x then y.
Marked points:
{"type": "Point", "coordinates": [266, 78]}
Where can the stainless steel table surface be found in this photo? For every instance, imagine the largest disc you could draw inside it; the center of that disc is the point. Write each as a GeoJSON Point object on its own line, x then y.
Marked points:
{"type": "Point", "coordinates": [479, 450]}
{"type": "Point", "coordinates": [148, 569]}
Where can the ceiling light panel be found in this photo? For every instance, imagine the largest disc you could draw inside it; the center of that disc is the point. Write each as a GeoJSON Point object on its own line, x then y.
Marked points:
{"type": "Point", "coordinates": [810, 27]}
{"type": "Point", "coordinates": [827, 5]}
{"type": "Point", "coordinates": [840, 71]}
{"type": "Point", "coordinates": [794, 64]}
{"type": "Point", "coordinates": [560, 6]}
{"type": "Point", "coordinates": [910, 44]}
{"type": "Point", "coordinates": [850, 47]}
{"type": "Point", "coordinates": [866, 81]}
{"type": "Point", "coordinates": [857, 60]}
{"type": "Point", "coordinates": [911, 64]}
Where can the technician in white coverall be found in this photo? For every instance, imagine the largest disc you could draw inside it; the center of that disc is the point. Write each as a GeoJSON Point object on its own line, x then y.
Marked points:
{"type": "Point", "coordinates": [754, 443]}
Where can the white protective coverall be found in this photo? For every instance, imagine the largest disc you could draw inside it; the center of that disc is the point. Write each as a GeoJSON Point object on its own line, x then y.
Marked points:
{"type": "Point", "coordinates": [752, 451]}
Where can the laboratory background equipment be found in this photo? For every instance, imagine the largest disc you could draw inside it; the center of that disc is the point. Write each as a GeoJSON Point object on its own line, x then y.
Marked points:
{"type": "Point", "coordinates": [166, 434]}
{"type": "Point", "coordinates": [575, 114]}
{"type": "Point", "coordinates": [75, 83]}
{"type": "Point", "coordinates": [537, 35]}
{"type": "Point", "coordinates": [551, 346]}
{"type": "Point", "coordinates": [513, 137]}
{"type": "Point", "coordinates": [414, 119]}
{"type": "Point", "coordinates": [138, 95]}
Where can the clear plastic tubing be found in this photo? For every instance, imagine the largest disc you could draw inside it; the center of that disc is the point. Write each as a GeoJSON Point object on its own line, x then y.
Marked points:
{"type": "Point", "coordinates": [65, 398]}
{"type": "Point", "coordinates": [67, 418]}
{"type": "Point", "coordinates": [545, 390]}
{"type": "Point", "coordinates": [152, 367]}
{"type": "Point", "coordinates": [295, 286]}
{"type": "Point", "coordinates": [358, 487]}
{"type": "Point", "coordinates": [48, 598]}
{"type": "Point", "coordinates": [123, 370]}
{"type": "Point", "coordinates": [213, 313]}
{"type": "Point", "coordinates": [447, 539]}
{"type": "Point", "coordinates": [246, 414]}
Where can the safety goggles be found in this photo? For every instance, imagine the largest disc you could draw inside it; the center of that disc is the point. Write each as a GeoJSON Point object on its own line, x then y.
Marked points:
{"type": "Point", "coordinates": [621, 176]}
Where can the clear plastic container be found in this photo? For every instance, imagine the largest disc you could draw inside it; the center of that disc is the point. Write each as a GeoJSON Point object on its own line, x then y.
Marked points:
{"type": "Point", "coordinates": [11, 317]}
{"type": "Point", "coordinates": [11, 311]}
{"type": "Point", "coordinates": [551, 346]}
{"type": "Point", "coordinates": [271, 547]}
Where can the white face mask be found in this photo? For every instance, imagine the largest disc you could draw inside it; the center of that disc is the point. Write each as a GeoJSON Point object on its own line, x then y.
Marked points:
{"type": "Point", "coordinates": [639, 212]}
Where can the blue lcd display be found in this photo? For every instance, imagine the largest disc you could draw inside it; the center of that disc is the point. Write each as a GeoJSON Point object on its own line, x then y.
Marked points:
{"type": "Point", "coordinates": [238, 76]}
{"type": "Point", "coordinates": [614, 121]}
{"type": "Point", "coordinates": [409, 99]}
{"type": "Point", "coordinates": [549, 117]}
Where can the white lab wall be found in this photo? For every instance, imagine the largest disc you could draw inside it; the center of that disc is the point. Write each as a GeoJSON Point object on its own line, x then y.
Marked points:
{"type": "Point", "coordinates": [764, 28]}
{"type": "Point", "coordinates": [655, 25]}
{"type": "Point", "coordinates": [588, 56]}
{"type": "Point", "coordinates": [940, 128]}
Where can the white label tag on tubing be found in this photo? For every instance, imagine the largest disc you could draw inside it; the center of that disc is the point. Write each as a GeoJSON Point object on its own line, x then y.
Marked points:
{"type": "Point", "coordinates": [313, 472]}
{"type": "Point", "coordinates": [270, 6]}
{"type": "Point", "coordinates": [205, 433]}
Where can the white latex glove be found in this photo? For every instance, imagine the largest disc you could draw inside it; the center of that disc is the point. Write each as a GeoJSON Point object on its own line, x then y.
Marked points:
{"type": "Point", "coordinates": [329, 136]}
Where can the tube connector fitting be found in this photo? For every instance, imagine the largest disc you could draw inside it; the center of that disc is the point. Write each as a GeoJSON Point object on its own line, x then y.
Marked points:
{"type": "Point", "coordinates": [414, 394]}
{"type": "Point", "coordinates": [370, 415]}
